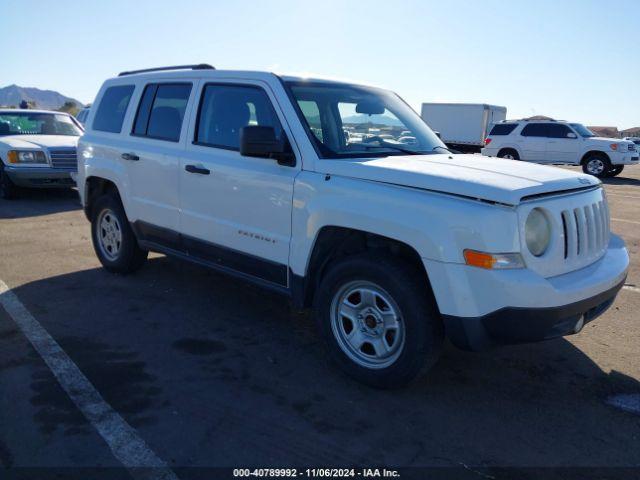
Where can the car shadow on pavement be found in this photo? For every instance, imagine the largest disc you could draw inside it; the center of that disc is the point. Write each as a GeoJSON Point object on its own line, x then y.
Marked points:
{"type": "Point", "coordinates": [224, 373]}
{"type": "Point", "coordinates": [34, 202]}
{"type": "Point", "coordinates": [621, 181]}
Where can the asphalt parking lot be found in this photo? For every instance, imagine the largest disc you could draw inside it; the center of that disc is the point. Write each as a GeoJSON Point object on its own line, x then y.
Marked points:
{"type": "Point", "coordinates": [211, 372]}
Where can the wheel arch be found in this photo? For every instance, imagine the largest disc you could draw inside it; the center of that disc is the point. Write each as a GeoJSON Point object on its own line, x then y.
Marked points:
{"type": "Point", "coordinates": [94, 187]}
{"type": "Point", "coordinates": [591, 153]}
{"type": "Point", "coordinates": [508, 147]}
{"type": "Point", "coordinates": [335, 242]}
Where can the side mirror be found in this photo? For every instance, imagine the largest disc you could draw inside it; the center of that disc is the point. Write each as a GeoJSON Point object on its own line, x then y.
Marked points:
{"type": "Point", "coordinates": [438, 134]}
{"type": "Point", "coordinates": [256, 141]}
{"type": "Point", "coordinates": [571, 135]}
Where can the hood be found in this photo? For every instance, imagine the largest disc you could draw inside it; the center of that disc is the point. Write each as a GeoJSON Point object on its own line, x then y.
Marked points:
{"type": "Point", "coordinates": [608, 140]}
{"type": "Point", "coordinates": [474, 176]}
{"type": "Point", "coordinates": [42, 141]}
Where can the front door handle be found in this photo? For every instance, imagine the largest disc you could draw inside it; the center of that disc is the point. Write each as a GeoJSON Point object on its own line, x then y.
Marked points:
{"type": "Point", "coordinates": [130, 156]}
{"type": "Point", "coordinates": [199, 170]}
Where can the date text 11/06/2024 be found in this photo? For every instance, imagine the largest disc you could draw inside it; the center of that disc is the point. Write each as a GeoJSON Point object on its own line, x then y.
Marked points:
{"type": "Point", "coordinates": [316, 472]}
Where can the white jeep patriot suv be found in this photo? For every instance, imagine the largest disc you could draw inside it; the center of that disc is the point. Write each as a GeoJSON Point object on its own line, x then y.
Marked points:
{"type": "Point", "coordinates": [395, 245]}
{"type": "Point", "coordinates": [559, 142]}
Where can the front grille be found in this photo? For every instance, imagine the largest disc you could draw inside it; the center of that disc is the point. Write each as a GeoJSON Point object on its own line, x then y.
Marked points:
{"type": "Point", "coordinates": [64, 158]}
{"type": "Point", "coordinates": [586, 230]}
{"type": "Point", "coordinates": [580, 231]}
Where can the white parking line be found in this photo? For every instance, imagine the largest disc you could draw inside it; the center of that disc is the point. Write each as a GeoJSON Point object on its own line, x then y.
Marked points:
{"type": "Point", "coordinates": [625, 221]}
{"type": "Point", "coordinates": [631, 288]}
{"type": "Point", "coordinates": [609, 194]}
{"type": "Point", "coordinates": [122, 439]}
{"type": "Point", "coordinates": [629, 402]}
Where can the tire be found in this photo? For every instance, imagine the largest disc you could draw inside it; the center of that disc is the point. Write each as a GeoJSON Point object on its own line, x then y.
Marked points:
{"type": "Point", "coordinates": [114, 242]}
{"type": "Point", "coordinates": [8, 189]}
{"type": "Point", "coordinates": [597, 165]}
{"type": "Point", "coordinates": [394, 290]}
{"type": "Point", "coordinates": [615, 171]}
{"type": "Point", "coordinates": [509, 154]}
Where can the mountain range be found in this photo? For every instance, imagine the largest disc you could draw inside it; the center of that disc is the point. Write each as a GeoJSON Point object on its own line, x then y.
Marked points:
{"type": "Point", "coordinates": [374, 119]}
{"type": "Point", "coordinates": [12, 95]}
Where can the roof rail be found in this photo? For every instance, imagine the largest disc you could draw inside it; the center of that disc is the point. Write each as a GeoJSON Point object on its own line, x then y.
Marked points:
{"type": "Point", "coordinates": [199, 66]}
{"type": "Point", "coordinates": [538, 120]}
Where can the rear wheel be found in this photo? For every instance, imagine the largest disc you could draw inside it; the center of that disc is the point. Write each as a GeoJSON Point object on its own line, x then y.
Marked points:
{"type": "Point", "coordinates": [113, 239]}
{"type": "Point", "coordinates": [509, 154]}
{"type": "Point", "coordinates": [597, 165]}
{"type": "Point", "coordinates": [8, 189]}
{"type": "Point", "coordinates": [378, 322]}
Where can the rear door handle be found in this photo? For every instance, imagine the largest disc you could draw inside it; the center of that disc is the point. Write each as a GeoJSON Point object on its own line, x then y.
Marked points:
{"type": "Point", "coordinates": [199, 170]}
{"type": "Point", "coordinates": [130, 156]}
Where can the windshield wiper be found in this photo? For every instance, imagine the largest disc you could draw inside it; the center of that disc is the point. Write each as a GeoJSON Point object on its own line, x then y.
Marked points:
{"type": "Point", "coordinates": [444, 148]}
{"type": "Point", "coordinates": [393, 146]}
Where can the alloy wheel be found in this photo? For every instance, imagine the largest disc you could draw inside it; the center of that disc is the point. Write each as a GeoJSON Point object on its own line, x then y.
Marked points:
{"type": "Point", "coordinates": [595, 166]}
{"type": "Point", "coordinates": [109, 234]}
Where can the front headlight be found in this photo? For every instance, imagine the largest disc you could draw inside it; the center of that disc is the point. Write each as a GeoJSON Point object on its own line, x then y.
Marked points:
{"type": "Point", "coordinates": [537, 232]}
{"type": "Point", "coordinates": [18, 156]}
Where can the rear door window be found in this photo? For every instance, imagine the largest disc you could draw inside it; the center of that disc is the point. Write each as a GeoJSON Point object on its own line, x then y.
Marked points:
{"type": "Point", "coordinates": [503, 128]}
{"type": "Point", "coordinates": [556, 130]}
{"type": "Point", "coordinates": [535, 130]}
{"type": "Point", "coordinates": [112, 108]}
{"type": "Point", "coordinates": [161, 111]}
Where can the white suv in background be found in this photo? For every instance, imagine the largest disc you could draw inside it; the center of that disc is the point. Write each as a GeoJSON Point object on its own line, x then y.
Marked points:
{"type": "Point", "coordinates": [560, 142]}
{"type": "Point", "coordinates": [395, 245]}
{"type": "Point", "coordinates": [635, 140]}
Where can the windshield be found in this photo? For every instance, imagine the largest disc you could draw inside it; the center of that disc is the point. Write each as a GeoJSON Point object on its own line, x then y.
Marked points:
{"type": "Point", "coordinates": [346, 121]}
{"type": "Point", "coordinates": [582, 130]}
{"type": "Point", "coordinates": [25, 123]}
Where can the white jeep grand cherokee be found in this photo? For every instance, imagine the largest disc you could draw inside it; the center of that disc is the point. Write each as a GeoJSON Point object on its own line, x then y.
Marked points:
{"type": "Point", "coordinates": [395, 245]}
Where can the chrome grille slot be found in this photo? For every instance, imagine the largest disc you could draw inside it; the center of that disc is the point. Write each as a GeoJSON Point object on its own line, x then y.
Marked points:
{"type": "Point", "coordinates": [581, 230]}
{"type": "Point", "coordinates": [565, 233]}
{"type": "Point", "coordinates": [590, 227]}
{"type": "Point", "coordinates": [64, 158]}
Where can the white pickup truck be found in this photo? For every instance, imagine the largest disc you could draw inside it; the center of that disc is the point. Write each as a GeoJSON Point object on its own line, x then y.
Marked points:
{"type": "Point", "coordinates": [394, 245]}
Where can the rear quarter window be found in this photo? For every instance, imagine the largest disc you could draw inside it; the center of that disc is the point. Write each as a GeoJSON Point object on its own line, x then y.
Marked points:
{"type": "Point", "coordinates": [503, 129]}
{"type": "Point", "coordinates": [112, 108]}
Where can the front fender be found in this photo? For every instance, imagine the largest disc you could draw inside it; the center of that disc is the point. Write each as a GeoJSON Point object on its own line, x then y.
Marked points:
{"type": "Point", "coordinates": [437, 226]}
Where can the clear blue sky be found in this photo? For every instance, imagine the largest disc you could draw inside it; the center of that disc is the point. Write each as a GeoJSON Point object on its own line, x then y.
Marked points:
{"type": "Point", "coordinates": [572, 59]}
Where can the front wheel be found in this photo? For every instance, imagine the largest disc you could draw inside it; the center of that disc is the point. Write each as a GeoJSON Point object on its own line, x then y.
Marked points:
{"type": "Point", "coordinates": [615, 171]}
{"type": "Point", "coordinates": [378, 321]}
{"type": "Point", "coordinates": [597, 165]}
{"type": "Point", "coordinates": [113, 239]}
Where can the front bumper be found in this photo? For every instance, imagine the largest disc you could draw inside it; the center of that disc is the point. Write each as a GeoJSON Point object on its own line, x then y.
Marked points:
{"type": "Point", "coordinates": [41, 177]}
{"type": "Point", "coordinates": [625, 158]}
{"type": "Point", "coordinates": [523, 325]}
{"type": "Point", "coordinates": [482, 308]}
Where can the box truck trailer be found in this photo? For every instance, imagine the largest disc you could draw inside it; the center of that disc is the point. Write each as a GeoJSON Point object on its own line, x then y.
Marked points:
{"type": "Point", "coordinates": [463, 126]}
